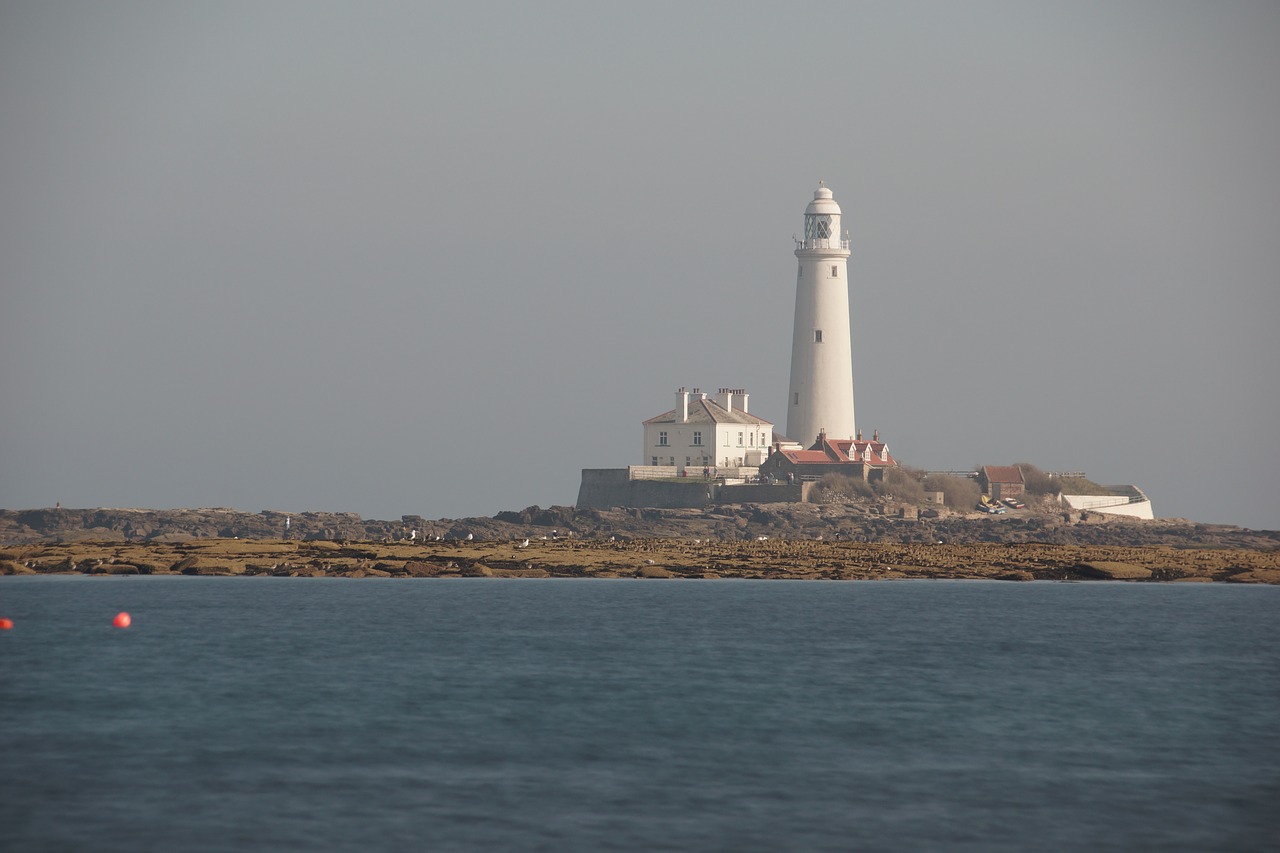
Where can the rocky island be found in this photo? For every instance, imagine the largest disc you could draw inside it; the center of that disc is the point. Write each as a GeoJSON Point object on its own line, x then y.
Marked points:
{"type": "Point", "coordinates": [782, 541]}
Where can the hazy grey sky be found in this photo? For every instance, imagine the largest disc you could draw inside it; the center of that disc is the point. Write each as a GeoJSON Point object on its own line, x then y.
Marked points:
{"type": "Point", "coordinates": [436, 258]}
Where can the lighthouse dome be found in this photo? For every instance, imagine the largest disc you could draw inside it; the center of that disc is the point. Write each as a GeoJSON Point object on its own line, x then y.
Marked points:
{"type": "Point", "coordinates": [823, 202]}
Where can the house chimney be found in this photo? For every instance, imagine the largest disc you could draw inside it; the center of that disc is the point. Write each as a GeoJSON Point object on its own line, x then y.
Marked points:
{"type": "Point", "coordinates": [745, 396]}
{"type": "Point", "coordinates": [682, 405]}
{"type": "Point", "coordinates": [875, 435]}
{"type": "Point", "coordinates": [859, 435]}
{"type": "Point", "coordinates": [726, 399]}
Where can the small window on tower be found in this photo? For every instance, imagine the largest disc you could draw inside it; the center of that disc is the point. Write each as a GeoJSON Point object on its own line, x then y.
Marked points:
{"type": "Point", "coordinates": [835, 271]}
{"type": "Point", "coordinates": [817, 336]}
{"type": "Point", "coordinates": [796, 401]}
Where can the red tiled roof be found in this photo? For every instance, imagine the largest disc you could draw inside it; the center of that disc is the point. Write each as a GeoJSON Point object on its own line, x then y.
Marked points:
{"type": "Point", "coordinates": [1002, 473]}
{"type": "Point", "coordinates": [833, 456]}
{"type": "Point", "coordinates": [851, 450]}
{"type": "Point", "coordinates": [807, 457]}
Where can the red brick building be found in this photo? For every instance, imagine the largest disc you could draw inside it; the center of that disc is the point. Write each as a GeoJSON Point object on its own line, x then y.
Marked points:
{"type": "Point", "coordinates": [852, 457]}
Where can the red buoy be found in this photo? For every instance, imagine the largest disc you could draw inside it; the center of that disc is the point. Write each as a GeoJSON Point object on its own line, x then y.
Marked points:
{"type": "Point", "coordinates": [122, 620]}
{"type": "Point", "coordinates": [6, 624]}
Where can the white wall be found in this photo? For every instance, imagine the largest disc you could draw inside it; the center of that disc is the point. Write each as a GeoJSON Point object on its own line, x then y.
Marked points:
{"type": "Point", "coordinates": [735, 442]}
{"type": "Point", "coordinates": [1110, 505]}
{"type": "Point", "coordinates": [821, 373]}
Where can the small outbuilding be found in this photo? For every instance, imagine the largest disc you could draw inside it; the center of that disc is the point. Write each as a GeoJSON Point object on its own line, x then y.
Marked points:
{"type": "Point", "coordinates": [1002, 481]}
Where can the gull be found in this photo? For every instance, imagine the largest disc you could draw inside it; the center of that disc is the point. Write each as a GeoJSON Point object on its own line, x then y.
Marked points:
{"type": "Point", "coordinates": [524, 544]}
{"type": "Point", "coordinates": [469, 537]}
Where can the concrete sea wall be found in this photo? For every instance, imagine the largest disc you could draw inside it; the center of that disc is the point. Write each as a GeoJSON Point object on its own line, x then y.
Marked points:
{"type": "Point", "coordinates": [603, 488]}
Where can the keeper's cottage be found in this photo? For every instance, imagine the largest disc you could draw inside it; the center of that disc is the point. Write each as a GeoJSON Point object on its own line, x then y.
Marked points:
{"type": "Point", "coordinates": [702, 432]}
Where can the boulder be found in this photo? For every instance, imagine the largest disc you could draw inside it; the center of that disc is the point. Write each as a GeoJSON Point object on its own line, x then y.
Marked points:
{"type": "Point", "coordinates": [521, 573]}
{"type": "Point", "coordinates": [187, 565]}
{"type": "Point", "coordinates": [653, 572]}
{"type": "Point", "coordinates": [1114, 571]}
{"type": "Point", "coordinates": [1256, 576]}
{"type": "Point", "coordinates": [421, 569]}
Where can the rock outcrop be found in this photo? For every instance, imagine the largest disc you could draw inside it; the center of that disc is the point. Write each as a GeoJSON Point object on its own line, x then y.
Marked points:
{"type": "Point", "coordinates": [851, 522]}
{"type": "Point", "coordinates": [665, 558]}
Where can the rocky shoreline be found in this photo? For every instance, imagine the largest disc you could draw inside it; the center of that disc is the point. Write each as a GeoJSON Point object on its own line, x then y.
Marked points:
{"type": "Point", "coordinates": [848, 522]}
{"type": "Point", "coordinates": [834, 541]}
{"type": "Point", "coordinates": [644, 558]}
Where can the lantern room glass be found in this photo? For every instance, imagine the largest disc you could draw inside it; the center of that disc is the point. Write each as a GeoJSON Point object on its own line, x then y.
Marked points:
{"type": "Point", "coordinates": [817, 227]}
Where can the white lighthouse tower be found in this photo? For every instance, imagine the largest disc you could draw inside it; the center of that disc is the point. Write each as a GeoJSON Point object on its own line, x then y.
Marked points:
{"type": "Point", "coordinates": [821, 398]}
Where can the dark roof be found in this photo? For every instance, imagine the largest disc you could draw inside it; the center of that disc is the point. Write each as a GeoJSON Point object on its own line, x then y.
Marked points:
{"type": "Point", "coordinates": [708, 411]}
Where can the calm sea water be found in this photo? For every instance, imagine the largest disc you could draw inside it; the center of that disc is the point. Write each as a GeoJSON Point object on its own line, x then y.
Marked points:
{"type": "Point", "coordinates": [307, 714]}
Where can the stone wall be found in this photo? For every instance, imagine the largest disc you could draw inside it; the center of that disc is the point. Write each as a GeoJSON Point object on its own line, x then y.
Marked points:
{"type": "Point", "coordinates": [603, 488]}
{"type": "Point", "coordinates": [762, 494]}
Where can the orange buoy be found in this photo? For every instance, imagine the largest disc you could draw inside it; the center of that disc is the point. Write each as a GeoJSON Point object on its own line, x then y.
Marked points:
{"type": "Point", "coordinates": [6, 624]}
{"type": "Point", "coordinates": [122, 620]}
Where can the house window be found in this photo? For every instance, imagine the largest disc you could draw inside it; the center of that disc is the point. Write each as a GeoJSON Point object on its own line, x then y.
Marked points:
{"type": "Point", "coordinates": [655, 460]}
{"type": "Point", "coordinates": [835, 271]}
{"type": "Point", "coordinates": [697, 439]}
{"type": "Point", "coordinates": [662, 439]}
{"type": "Point", "coordinates": [726, 439]}
{"type": "Point", "coordinates": [739, 439]}
{"type": "Point", "coordinates": [751, 439]}
{"type": "Point", "coordinates": [817, 336]}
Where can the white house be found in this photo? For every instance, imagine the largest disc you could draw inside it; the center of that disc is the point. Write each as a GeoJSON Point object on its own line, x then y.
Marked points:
{"type": "Point", "coordinates": [701, 432]}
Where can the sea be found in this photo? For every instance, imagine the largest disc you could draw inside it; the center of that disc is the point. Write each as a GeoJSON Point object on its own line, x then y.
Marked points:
{"type": "Point", "coordinates": [281, 714]}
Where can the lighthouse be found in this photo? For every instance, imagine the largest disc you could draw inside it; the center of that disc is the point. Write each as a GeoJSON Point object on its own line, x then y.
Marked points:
{"type": "Point", "coordinates": [821, 398]}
